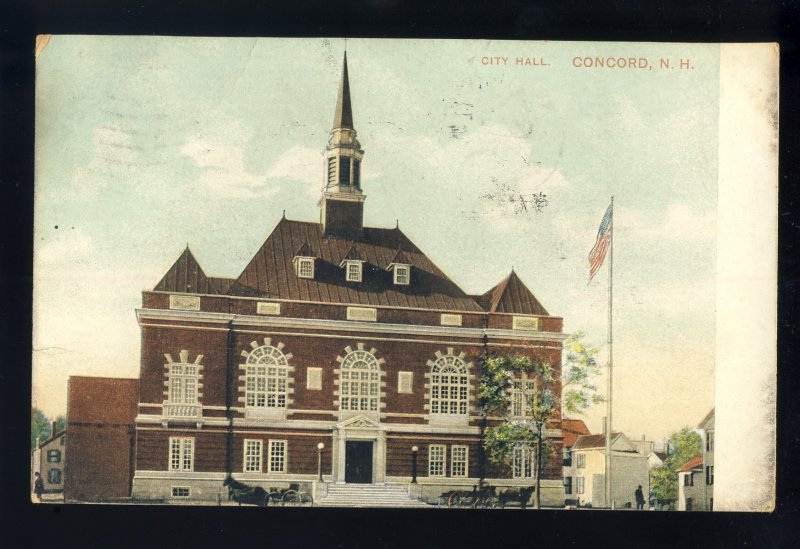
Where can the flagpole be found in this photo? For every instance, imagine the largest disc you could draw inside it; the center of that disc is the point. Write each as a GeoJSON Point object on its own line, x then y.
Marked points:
{"type": "Point", "coordinates": [608, 473]}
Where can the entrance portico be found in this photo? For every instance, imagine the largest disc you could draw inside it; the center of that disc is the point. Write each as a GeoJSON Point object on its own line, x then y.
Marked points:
{"type": "Point", "coordinates": [359, 451]}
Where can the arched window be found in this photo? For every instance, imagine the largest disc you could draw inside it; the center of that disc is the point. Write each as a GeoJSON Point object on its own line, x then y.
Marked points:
{"type": "Point", "coordinates": [266, 377]}
{"type": "Point", "coordinates": [449, 386]}
{"type": "Point", "coordinates": [359, 382]}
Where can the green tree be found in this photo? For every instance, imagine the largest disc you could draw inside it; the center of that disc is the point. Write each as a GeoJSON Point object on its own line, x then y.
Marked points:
{"type": "Point", "coordinates": [40, 427]}
{"type": "Point", "coordinates": [578, 373]}
{"type": "Point", "coordinates": [684, 445]}
{"type": "Point", "coordinates": [496, 382]}
{"type": "Point", "coordinates": [61, 423]}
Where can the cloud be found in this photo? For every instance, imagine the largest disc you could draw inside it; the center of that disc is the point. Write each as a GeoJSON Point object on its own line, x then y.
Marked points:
{"type": "Point", "coordinates": [302, 165]}
{"type": "Point", "coordinates": [113, 153]}
{"type": "Point", "coordinates": [65, 246]}
{"type": "Point", "coordinates": [677, 224]}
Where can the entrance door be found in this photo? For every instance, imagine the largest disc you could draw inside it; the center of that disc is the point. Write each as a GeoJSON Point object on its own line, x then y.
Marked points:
{"type": "Point", "coordinates": [358, 462]}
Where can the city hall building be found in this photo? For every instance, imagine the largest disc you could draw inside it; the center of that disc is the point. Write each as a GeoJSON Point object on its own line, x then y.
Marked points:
{"type": "Point", "coordinates": [334, 333]}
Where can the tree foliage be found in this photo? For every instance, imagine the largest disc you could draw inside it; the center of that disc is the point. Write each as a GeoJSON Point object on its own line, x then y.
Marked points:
{"type": "Point", "coordinates": [684, 445]}
{"type": "Point", "coordinates": [496, 382]}
{"type": "Point", "coordinates": [580, 369]}
{"type": "Point", "coordinates": [40, 426]}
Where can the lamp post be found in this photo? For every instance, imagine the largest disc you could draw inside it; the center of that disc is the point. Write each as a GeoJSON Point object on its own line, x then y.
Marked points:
{"type": "Point", "coordinates": [539, 425]}
{"type": "Point", "coordinates": [320, 447]}
{"type": "Point", "coordinates": [414, 450]}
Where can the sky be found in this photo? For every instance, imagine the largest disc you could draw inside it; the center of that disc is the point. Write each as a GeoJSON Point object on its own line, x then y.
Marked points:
{"type": "Point", "coordinates": [147, 144]}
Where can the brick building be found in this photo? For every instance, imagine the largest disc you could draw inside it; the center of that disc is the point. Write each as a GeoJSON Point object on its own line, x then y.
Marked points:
{"type": "Point", "coordinates": [334, 333]}
{"type": "Point", "coordinates": [99, 445]}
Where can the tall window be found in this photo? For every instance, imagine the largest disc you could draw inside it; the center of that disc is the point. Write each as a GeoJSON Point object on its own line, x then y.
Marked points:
{"type": "Point", "coordinates": [277, 456]}
{"type": "Point", "coordinates": [521, 394]}
{"type": "Point", "coordinates": [579, 485]}
{"type": "Point", "coordinates": [688, 479]}
{"type": "Point", "coordinates": [568, 485]}
{"type": "Point", "coordinates": [359, 382]}
{"type": "Point", "coordinates": [267, 373]}
{"type": "Point", "coordinates": [183, 383]}
{"type": "Point", "coordinates": [710, 441]}
{"type": "Point", "coordinates": [181, 453]}
{"type": "Point", "coordinates": [436, 457]}
{"type": "Point", "coordinates": [710, 475]}
{"type": "Point", "coordinates": [344, 170]}
{"type": "Point", "coordinates": [252, 456]}
{"type": "Point", "coordinates": [331, 169]}
{"type": "Point", "coordinates": [356, 172]}
{"type": "Point", "coordinates": [522, 464]}
{"type": "Point", "coordinates": [449, 386]}
{"type": "Point", "coordinates": [54, 476]}
{"type": "Point", "coordinates": [458, 461]}
{"type": "Point", "coordinates": [581, 459]}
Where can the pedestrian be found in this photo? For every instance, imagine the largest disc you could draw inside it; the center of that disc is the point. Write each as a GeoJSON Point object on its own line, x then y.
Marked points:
{"type": "Point", "coordinates": [639, 498]}
{"type": "Point", "coordinates": [38, 486]}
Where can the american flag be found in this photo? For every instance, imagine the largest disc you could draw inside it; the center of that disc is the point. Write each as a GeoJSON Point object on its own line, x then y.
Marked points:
{"type": "Point", "coordinates": [598, 253]}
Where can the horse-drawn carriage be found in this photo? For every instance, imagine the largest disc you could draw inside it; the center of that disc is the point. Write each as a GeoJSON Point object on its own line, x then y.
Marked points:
{"type": "Point", "coordinates": [487, 497]}
{"type": "Point", "coordinates": [294, 495]}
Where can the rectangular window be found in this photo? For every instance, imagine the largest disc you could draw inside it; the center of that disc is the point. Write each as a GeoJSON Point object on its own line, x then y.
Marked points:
{"type": "Point", "coordinates": [54, 456]}
{"type": "Point", "coordinates": [54, 476]}
{"type": "Point", "coordinates": [521, 395]}
{"type": "Point", "coordinates": [522, 464]}
{"type": "Point", "coordinates": [180, 491]}
{"type": "Point", "coordinates": [354, 271]}
{"type": "Point", "coordinates": [581, 459]}
{"type": "Point", "coordinates": [579, 485]}
{"type": "Point", "coordinates": [181, 453]}
{"type": "Point", "coordinates": [459, 461]}
{"type": "Point", "coordinates": [710, 475]}
{"type": "Point", "coordinates": [401, 274]}
{"type": "Point", "coordinates": [252, 455]}
{"type": "Point", "coordinates": [356, 172]}
{"type": "Point", "coordinates": [436, 457]}
{"type": "Point", "coordinates": [568, 485]}
{"type": "Point", "coordinates": [277, 456]}
{"type": "Point", "coordinates": [183, 383]}
{"type": "Point", "coordinates": [688, 479]}
{"type": "Point", "coordinates": [567, 458]}
{"type": "Point", "coordinates": [305, 267]}
{"type": "Point", "coordinates": [710, 441]}
{"type": "Point", "coordinates": [405, 382]}
{"type": "Point", "coordinates": [344, 170]}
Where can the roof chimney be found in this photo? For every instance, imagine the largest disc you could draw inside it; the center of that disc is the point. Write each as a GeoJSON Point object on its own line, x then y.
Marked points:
{"type": "Point", "coordinates": [53, 432]}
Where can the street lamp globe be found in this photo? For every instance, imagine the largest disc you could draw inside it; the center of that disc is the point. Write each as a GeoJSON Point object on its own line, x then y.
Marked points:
{"type": "Point", "coordinates": [415, 449]}
{"type": "Point", "coordinates": [320, 446]}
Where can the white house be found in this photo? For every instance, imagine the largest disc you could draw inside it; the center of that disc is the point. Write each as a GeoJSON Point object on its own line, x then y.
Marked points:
{"type": "Point", "coordinates": [629, 469]}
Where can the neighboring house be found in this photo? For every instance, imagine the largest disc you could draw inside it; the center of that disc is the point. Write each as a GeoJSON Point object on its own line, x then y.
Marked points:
{"type": "Point", "coordinates": [691, 485]}
{"type": "Point", "coordinates": [48, 460]}
{"type": "Point", "coordinates": [656, 459]}
{"type": "Point", "coordinates": [334, 333]}
{"type": "Point", "coordinates": [99, 438]}
{"type": "Point", "coordinates": [707, 426]}
{"type": "Point", "coordinates": [587, 470]}
{"type": "Point", "coordinates": [571, 429]}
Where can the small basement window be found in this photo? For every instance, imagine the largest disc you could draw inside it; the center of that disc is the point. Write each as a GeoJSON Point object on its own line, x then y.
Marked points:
{"type": "Point", "coordinates": [180, 491]}
{"type": "Point", "coordinates": [402, 274]}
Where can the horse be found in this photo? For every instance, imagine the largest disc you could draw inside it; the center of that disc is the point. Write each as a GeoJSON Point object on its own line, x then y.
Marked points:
{"type": "Point", "coordinates": [242, 493]}
{"type": "Point", "coordinates": [522, 496]}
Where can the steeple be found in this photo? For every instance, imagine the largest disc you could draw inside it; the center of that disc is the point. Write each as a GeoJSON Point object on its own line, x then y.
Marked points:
{"type": "Point", "coordinates": [343, 117]}
{"type": "Point", "coordinates": [342, 207]}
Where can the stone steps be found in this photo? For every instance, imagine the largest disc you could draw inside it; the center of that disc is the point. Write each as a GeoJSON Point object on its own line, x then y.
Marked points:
{"type": "Point", "coordinates": [368, 495]}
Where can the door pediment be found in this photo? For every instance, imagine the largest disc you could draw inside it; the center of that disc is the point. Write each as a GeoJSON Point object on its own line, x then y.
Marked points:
{"type": "Point", "coordinates": [361, 422]}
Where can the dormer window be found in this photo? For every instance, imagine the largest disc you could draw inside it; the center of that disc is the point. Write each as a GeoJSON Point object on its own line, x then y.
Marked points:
{"type": "Point", "coordinates": [304, 261]}
{"type": "Point", "coordinates": [305, 267]}
{"type": "Point", "coordinates": [402, 274]}
{"type": "Point", "coordinates": [354, 271]}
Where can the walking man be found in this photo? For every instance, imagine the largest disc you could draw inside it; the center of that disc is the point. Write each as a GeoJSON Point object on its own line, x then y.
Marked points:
{"type": "Point", "coordinates": [639, 498]}
{"type": "Point", "coordinates": [38, 486]}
